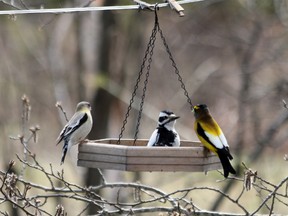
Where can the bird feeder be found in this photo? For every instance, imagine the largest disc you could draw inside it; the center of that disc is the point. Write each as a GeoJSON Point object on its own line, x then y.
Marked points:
{"type": "Point", "coordinates": [130, 156]}
{"type": "Point", "coordinates": [133, 154]}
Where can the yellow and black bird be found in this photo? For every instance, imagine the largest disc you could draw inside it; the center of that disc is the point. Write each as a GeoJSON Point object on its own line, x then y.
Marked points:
{"type": "Point", "coordinates": [212, 137]}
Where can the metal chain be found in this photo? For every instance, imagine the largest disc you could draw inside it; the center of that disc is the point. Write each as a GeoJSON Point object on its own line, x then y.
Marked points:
{"type": "Point", "coordinates": [175, 67]}
{"type": "Point", "coordinates": [154, 33]}
{"type": "Point", "coordinates": [145, 86]}
{"type": "Point", "coordinates": [147, 52]}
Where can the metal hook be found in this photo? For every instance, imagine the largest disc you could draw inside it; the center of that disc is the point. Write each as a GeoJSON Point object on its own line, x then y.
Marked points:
{"type": "Point", "coordinates": [155, 12]}
{"type": "Point", "coordinates": [143, 5]}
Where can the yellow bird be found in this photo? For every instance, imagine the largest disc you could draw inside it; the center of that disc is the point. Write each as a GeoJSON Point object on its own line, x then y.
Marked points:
{"type": "Point", "coordinates": [212, 137]}
{"type": "Point", "coordinates": [78, 127]}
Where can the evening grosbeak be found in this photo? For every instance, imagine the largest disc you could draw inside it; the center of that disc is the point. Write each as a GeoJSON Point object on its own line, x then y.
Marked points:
{"type": "Point", "coordinates": [212, 137]}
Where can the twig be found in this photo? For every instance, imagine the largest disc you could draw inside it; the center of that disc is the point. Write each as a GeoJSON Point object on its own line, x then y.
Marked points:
{"type": "Point", "coordinates": [179, 200]}
{"type": "Point", "coordinates": [84, 209]}
{"type": "Point", "coordinates": [215, 190]}
{"type": "Point", "coordinates": [23, 4]}
{"type": "Point", "coordinates": [88, 195]}
{"type": "Point", "coordinates": [270, 195]}
{"type": "Point", "coordinates": [272, 205]}
{"type": "Point", "coordinates": [7, 196]}
{"type": "Point", "coordinates": [102, 176]}
{"type": "Point", "coordinates": [26, 108]}
{"type": "Point", "coordinates": [59, 105]}
{"type": "Point", "coordinates": [11, 5]}
{"type": "Point", "coordinates": [135, 185]}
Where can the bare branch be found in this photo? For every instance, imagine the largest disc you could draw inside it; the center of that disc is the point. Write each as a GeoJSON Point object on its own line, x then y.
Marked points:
{"type": "Point", "coordinates": [147, 199]}
{"type": "Point", "coordinates": [270, 195]}
{"type": "Point", "coordinates": [59, 105]}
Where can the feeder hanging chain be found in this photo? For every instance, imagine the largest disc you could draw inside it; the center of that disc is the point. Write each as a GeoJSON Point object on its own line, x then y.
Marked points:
{"type": "Point", "coordinates": [153, 39]}
{"type": "Point", "coordinates": [145, 84]}
{"type": "Point", "coordinates": [175, 67]}
{"type": "Point", "coordinates": [147, 52]}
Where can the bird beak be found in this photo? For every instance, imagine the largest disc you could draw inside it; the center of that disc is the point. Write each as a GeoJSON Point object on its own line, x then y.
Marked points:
{"type": "Point", "coordinates": [172, 118]}
{"type": "Point", "coordinates": [194, 108]}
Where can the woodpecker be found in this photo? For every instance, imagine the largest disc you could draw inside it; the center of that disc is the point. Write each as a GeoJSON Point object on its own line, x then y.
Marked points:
{"type": "Point", "coordinates": [165, 134]}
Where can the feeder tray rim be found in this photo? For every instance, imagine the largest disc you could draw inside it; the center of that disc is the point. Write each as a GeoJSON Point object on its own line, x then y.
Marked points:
{"type": "Point", "coordinates": [128, 142]}
{"type": "Point", "coordinates": [107, 154]}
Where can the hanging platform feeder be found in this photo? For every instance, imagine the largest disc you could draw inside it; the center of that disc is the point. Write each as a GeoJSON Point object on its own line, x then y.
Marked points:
{"type": "Point", "coordinates": [130, 156]}
{"type": "Point", "coordinates": [133, 154]}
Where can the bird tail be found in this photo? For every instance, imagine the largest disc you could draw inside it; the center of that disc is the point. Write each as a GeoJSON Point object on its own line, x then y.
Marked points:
{"type": "Point", "coordinates": [58, 140]}
{"type": "Point", "coordinates": [224, 159]}
{"type": "Point", "coordinates": [64, 151]}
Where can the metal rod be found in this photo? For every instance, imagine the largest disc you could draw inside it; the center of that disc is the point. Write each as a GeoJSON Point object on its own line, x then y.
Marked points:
{"type": "Point", "coordinates": [86, 9]}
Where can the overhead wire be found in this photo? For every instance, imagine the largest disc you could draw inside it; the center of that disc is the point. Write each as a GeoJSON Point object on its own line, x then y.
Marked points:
{"type": "Point", "coordinates": [85, 9]}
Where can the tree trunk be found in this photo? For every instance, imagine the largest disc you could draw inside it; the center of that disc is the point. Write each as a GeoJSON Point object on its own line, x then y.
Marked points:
{"type": "Point", "coordinates": [102, 100]}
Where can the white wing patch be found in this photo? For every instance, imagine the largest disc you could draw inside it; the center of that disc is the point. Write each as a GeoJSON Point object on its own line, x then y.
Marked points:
{"type": "Point", "coordinates": [223, 140]}
{"type": "Point", "coordinates": [153, 139]}
{"type": "Point", "coordinates": [218, 141]}
{"type": "Point", "coordinates": [177, 140]}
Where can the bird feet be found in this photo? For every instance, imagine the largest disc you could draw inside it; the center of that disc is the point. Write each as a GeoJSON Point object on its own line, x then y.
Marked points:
{"type": "Point", "coordinates": [83, 141]}
{"type": "Point", "coordinates": [206, 152]}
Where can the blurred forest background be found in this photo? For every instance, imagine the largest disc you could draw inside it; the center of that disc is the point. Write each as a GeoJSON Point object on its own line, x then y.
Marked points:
{"type": "Point", "coordinates": [232, 56]}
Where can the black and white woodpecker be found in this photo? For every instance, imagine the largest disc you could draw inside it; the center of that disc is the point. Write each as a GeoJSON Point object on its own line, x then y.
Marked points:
{"type": "Point", "coordinates": [165, 134]}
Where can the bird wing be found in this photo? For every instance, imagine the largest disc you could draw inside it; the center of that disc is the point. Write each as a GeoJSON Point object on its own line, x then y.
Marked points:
{"type": "Point", "coordinates": [75, 122]}
{"type": "Point", "coordinates": [153, 139]}
{"type": "Point", "coordinates": [218, 141]}
{"type": "Point", "coordinates": [212, 134]}
{"type": "Point", "coordinates": [176, 142]}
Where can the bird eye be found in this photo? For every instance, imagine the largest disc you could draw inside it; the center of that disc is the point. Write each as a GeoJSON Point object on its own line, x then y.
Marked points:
{"type": "Point", "coordinates": [162, 118]}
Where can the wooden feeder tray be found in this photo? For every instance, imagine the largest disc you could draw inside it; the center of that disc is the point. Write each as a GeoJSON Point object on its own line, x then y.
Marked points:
{"type": "Point", "coordinates": [107, 154]}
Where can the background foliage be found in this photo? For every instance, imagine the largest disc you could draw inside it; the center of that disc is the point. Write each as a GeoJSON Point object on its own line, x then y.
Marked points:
{"type": "Point", "coordinates": [231, 54]}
